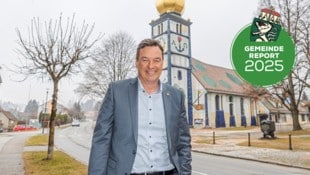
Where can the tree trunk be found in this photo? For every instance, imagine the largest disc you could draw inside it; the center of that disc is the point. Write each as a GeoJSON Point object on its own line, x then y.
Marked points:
{"type": "Point", "coordinates": [293, 107]}
{"type": "Point", "coordinates": [296, 125]}
{"type": "Point", "coordinates": [50, 149]}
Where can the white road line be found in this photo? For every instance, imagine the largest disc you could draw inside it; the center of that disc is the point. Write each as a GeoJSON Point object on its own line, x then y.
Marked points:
{"type": "Point", "coordinates": [196, 172]}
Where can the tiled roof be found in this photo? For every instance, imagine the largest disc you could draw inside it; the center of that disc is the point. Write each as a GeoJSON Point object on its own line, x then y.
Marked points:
{"type": "Point", "coordinates": [8, 114]}
{"type": "Point", "coordinates": [218, 79]}
{"type": "Point", "coordinates": [267, 102]}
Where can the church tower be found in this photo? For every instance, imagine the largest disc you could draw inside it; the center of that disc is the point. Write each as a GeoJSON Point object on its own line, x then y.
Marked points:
{"type": "Point", "coordinates": [173, 32]}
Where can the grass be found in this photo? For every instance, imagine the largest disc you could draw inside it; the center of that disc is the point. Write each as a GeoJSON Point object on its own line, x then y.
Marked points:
{"type": "Point", "coordinates": [240, 128]}
{"type": "Point", "coordinates": [203, 140]}
{"type": "Point", "coordinates": [38, 140]}
{"type": "Point", "coordinates": [300, 141]}
{"type": "Point", "coordinates": [61, 164]}
{"type": "Point", "coordinates": [295, 133]}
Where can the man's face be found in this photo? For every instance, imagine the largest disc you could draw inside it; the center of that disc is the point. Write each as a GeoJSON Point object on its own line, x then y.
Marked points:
{"type": "Point", "coordinates": [149, 64]}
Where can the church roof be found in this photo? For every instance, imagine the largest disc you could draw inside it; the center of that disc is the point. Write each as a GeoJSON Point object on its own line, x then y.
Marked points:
{"type": "Point", "coordinates": [218, 79]}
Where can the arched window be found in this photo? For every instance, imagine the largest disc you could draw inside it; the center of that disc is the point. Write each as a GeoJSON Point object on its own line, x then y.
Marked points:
{"type": "Point", "coordinates": [158, 29]}
{"type": "Point", "coordinates": [217, 103]}
{"type": "Point", "coordinates": [231, 105]}
{"type": "Point", "coordinates": [179, 75]}
{"type": "Point", "coordinates": [180, 28]}
{"type": "Point", "coordinates": [242, 106]}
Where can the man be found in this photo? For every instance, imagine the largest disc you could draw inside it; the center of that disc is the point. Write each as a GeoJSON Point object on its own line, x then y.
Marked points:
{"type": "Point", "coordinates": [142, 125]}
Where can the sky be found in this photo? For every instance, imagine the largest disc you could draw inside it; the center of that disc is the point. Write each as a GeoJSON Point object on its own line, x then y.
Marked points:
{"type": "Point", "coordinates": [214, 26]}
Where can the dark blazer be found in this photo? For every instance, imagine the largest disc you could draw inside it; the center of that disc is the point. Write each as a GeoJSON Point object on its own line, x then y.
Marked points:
{"type": "Point", "coordinates": [114, 142]}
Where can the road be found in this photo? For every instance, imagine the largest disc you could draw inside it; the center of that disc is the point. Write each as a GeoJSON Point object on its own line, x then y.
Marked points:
{"type": "Point", "coordinates": [76, 141]}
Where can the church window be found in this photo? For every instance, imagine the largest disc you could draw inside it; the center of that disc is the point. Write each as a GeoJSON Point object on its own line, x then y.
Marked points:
{"type": "Point", "coordinates": [242, 106]}
{"type": "Point", "coordinates": [179, 75]}
{"type": "Point", "coordinates": [158, 29]}
{"type": "Point", "coordinates": [180, 28]}
{"type": "Point", "coordinates": [217, 103]}
{"type": "Point", "coordinates": [231, 105]}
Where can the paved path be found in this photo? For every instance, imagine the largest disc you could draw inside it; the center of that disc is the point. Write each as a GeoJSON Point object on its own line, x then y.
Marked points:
{"type": "Point", "coordinates": [11, 162]}
{"type": "Point", "coordinates": [11, 151]}
{"type": "Point", "coordinates": [226, 145]}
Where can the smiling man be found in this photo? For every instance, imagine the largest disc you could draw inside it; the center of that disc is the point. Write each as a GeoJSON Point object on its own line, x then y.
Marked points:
{"type": "Point", "coordinates": [142, 123]}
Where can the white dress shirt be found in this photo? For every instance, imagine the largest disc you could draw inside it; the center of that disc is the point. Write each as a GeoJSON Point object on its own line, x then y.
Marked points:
{"type": "Point", "coordinates": [152, 150]}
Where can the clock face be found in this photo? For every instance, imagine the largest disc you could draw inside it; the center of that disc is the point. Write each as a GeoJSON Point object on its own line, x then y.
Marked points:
{"type": "Point", "coordinates": [179, 44]}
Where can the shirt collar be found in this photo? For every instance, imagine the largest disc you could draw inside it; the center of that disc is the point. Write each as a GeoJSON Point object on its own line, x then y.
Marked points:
{"type": "Point", "coordinates": [141, 88]}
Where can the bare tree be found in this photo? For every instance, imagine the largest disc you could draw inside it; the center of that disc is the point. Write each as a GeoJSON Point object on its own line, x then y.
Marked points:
{"type": "Point", "coordinates": [295, 20]}
{"type": "Point", "coordinates": [114, 61]}
{"type": "Point", "coordinates": [304, 46]}
{"type": "Point", "coordinates": [55, 50]}
{"type": "Point", "coordinates": [76, 111]}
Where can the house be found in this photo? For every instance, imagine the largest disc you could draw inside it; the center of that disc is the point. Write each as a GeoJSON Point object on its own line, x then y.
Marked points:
{"type": "Point", "coordinates": [277, 112]}
{"type": "Point", "coordinates": [7, 119]}
{"type": "Point", "coordinates": [220, 97]}
{"type": "Point", "coordinates": [47, 108]}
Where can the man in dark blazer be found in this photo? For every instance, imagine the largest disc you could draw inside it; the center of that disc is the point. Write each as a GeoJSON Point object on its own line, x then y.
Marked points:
{"type": "Point", "coordinates": [142, 124]}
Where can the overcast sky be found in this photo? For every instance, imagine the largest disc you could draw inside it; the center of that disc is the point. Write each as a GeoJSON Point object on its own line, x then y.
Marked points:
{"type": "Point", "coordinates": [215, 23]}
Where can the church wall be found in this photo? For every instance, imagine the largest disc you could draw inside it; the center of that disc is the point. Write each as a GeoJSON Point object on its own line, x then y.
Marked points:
{"type": "Point", "coordinates": [198, 103]}
{"type": "Point", "coordinates": [179, 77]}
{"type": "Point", "coordinates": [199, 115]}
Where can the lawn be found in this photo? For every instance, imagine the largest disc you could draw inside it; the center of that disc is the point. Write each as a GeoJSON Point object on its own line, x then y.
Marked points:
{"type": "Point", "coordinates": [61, 164]}
{"type": "Point", "coordinates": [300, 140]}
{"type": "Point", "coordinates": [298, 143]}
{"type": "Point", "coordinates": [37, 140]}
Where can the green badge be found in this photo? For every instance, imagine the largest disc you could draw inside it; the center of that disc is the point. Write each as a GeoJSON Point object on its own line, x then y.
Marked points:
{"type": "Point", "coordinates": [262, 53]}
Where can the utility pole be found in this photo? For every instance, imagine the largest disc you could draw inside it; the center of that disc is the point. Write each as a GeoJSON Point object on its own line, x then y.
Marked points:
{"type": "Point", "coordinates": [0, 76]}
{"type": "Point", "coordinates": [45, 111]}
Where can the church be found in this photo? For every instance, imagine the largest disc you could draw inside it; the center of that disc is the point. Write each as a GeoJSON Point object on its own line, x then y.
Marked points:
{"type": "Point", "coordinates": [216, 96]}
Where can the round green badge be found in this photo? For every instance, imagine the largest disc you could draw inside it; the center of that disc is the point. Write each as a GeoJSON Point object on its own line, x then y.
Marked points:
{"type": "Point", "coordinates": [262, 54]}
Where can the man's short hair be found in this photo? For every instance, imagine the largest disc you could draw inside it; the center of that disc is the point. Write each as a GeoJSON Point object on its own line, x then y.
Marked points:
{"type": "Point", "coordinates": [147, 43]}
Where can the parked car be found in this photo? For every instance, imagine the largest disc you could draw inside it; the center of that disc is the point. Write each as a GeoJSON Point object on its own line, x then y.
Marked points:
{"type": "Point", "coordinates": [23, 128]}
{"type": "Point", "coordinates": [75, 123]}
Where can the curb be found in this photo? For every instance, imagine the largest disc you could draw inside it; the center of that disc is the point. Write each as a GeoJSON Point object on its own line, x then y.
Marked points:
{"type": "Point", "coordinates": [256, 160]}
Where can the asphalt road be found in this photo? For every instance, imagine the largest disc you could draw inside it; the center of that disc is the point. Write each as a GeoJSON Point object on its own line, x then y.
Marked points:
{"type": "Point", "coordinates": [76, 141]}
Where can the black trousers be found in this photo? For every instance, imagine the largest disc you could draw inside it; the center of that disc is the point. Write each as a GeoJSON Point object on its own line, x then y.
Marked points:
{"type": "Point", "coordinates": [169, 172]}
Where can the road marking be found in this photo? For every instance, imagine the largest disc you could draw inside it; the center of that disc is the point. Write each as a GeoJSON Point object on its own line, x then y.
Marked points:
{"type": "Point", "coordinates": [196, 172]}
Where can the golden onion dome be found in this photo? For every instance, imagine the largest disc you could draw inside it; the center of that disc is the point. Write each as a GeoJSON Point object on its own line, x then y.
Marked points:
{"type": "Point", "coordinates": [164, 6]}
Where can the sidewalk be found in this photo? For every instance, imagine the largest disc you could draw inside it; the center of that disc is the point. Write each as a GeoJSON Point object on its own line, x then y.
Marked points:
{"type": "Point", "coordinates": [227, 146]}
{"type": "Point", "coordinates": [11, 152]}
{"type": "Point", "coordinates": [11, 162]}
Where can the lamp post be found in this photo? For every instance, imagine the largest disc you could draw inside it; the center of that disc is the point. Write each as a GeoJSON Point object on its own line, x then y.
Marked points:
{"type": "Point", "coordinates": [45, 110]}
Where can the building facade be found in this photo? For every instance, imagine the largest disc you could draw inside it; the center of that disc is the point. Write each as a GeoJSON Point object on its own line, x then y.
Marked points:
{"type": "Point", "coordinates": [216, 96]}
{"type": "Point", "coordinates": [173, 32]}
{"type": "Point", "coordinates": [7, 120]}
